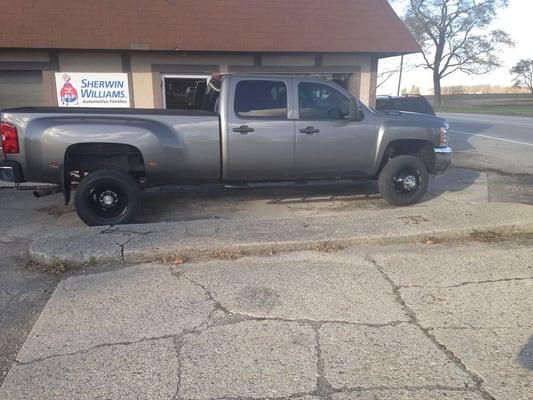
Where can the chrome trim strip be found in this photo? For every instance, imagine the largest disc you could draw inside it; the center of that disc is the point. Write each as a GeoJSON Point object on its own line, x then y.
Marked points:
{"type": "Point", "coordinates": [7, 174]}
{"type": "Point", "coordinates": [443, 150]}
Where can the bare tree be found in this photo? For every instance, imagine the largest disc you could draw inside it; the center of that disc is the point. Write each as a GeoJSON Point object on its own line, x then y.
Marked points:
{"type": "Point", "coordinates": [385, 75]}
{"type": "Point", "coordinates": [451, 33]}
{"type": "Point", "coordinates": [391, 69]}
{"type": "Point", "coordinates": [523, 72]}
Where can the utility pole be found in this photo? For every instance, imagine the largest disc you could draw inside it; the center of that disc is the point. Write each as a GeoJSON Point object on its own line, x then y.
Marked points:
{"type": "Point", "coordinates": [400, 78]}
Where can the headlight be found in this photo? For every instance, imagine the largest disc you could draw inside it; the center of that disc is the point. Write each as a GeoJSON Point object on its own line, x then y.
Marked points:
{"type": "Point", "coordinates": [443, 140]}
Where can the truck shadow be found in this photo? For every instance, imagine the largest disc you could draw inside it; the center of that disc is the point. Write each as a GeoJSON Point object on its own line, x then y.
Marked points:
{"type": "Point", "coordinates": [190, 203]}
{"type": "Point", "coordinates": [184, 203]}
{"type": "Point", "coordinates": [525, 357]}
{"type": "Point", "coordinates": [457, 180]}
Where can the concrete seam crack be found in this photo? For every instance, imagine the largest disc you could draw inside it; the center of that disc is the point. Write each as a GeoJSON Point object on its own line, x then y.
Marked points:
{"type": "Point", "coordinates": [478, 328]}
{"type": "Point", "coordinates": [353, 390]}
{"type": "Point", "coordinates": [407, 388]}
{"type": "Point", "coordinates": [468, 283]}
{"type": "Point", "coordinates": [324, 388]}
{"type": "Point", "coordinates": [478, 381]}
{"type": "Point", "coordinates": [112, 230]}
{"type": "Point", "coordinates": [178, 345]}
{"type": "Point", "coordinates": [218, 305]}
{"type": "Point", "coordinates": [122, 247]}
{"type": "Point", "coordinates": [311, 321]}
{"type": "Point", "coordinates": [96, 347]}
{"type": "Point", "coordinates": [292, 396]}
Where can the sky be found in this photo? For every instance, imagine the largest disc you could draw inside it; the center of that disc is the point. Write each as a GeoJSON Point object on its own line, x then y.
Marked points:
{"type": "Point", "coordinates": [515, 20]}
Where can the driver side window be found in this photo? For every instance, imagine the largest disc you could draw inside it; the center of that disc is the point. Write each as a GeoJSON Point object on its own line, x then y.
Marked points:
{"type": "Point", "coordinates": [318, 101]}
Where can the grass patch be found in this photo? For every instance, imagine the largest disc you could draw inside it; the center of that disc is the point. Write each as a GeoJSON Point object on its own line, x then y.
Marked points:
{"type": "Point", "coordinates": [503, 104]}
{"type": "Point", "coordinates": [174, 259]}
{"type": "Point", "coordinates": [58, 266]}
{"type": "Point", "coordinates": [518, 111]}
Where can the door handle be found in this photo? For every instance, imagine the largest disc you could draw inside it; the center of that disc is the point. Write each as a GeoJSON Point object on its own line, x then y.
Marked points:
{"type": "Point", "coordinates": [310, 130]}
{"type": "Point", "coordinates": [243, 130]}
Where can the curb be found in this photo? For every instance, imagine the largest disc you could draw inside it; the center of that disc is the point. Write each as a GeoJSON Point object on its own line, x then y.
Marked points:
{"type": "Point", "coordinates": [206, 239]}
{"type": "Point", "coordinates": [271, 248]}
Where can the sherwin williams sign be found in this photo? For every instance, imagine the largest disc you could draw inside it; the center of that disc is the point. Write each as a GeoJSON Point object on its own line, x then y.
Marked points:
{"type": "Point", "coordinates": [92, 90]}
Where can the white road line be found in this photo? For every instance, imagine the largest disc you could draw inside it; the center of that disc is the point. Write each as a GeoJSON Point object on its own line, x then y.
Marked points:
{"type": "Point", "coordinates": [492, 137]}
{"type": "Point", "coordinates": [521, 122]}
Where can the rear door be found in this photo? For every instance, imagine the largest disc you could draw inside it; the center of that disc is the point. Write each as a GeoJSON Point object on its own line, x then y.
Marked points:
{"type": "Point", "coordinates": [260, 129]}
{"type": "Point", "coordinates": [328, 143]}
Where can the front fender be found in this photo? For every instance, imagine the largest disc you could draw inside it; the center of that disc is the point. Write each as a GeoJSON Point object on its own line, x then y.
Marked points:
{"type": "Point", "coordinates": [420, 130]}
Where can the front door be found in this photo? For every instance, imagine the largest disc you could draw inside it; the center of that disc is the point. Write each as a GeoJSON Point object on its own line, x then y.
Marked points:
{"type": "Point", "coordinates": [328, 143]}
{"type": "Point", "coordinates": [260, 133]}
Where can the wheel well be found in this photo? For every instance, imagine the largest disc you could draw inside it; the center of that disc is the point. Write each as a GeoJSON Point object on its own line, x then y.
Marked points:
{"type": "Point", "coordinates": [410, 147]}
{"type": "Point", "coordinates": [84, 158]}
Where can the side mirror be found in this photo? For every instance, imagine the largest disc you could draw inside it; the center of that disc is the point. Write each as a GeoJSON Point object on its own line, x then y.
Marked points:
{"type": "Point", "coordinates": [356, 114]}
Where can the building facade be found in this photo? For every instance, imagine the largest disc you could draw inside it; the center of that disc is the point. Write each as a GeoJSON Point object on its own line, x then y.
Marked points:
{"type": "Point", "coordinates": [166, 46]}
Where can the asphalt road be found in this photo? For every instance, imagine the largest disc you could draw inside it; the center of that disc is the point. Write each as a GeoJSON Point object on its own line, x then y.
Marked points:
{"type": "Point", "coordinates": [489, 142]}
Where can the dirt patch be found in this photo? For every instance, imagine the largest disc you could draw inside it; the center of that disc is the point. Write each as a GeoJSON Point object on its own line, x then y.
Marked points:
{"type": "Point", "coordinates": [487, 236]}
{"type": "Point", "coordinates": [430, 240]}
{"type": "Point", "coordinates": [413, 219]}
{"type": "Point", "coordinates": [328, 247]}
{"type": "Point", "coordinates": [56, 210]}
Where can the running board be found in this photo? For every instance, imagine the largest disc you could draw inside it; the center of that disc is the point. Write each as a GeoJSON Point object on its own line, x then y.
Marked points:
{"type": "Point", "coordinates": [289, 184]}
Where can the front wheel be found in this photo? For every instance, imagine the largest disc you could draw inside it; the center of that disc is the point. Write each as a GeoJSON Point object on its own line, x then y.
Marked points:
{"type": "Point", "coordinates": [404, 180]}
{"type": "Point", "coordinates": [107, 197]}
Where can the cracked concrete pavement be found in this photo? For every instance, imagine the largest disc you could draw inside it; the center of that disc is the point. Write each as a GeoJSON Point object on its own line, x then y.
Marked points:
{"type": "Point", "coordinates": [443, 321]}
{"type": "Point", "coordinates": [411, 321]}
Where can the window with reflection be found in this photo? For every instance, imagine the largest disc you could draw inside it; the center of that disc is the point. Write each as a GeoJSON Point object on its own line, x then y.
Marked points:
{"type": "Point", "coordinates": [318, 101]}
{"type": "Point", "coordinates": [261, 99]}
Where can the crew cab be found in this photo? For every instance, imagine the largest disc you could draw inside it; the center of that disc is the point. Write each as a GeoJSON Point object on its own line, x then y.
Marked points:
{"type": "Point", "coordinates": [250, 128]}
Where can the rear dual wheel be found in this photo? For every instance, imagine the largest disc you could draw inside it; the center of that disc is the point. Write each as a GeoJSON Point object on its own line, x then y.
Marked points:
{"type": "Point", "coordinates": [404, 180]}
{"type": "Point", "coordinates": [107, 197]}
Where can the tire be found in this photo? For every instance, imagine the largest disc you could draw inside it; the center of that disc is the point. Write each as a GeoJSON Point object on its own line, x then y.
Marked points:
{"type": "Point", "coordinates": [396, 183]}
{"type": "Point", "coordinates": [107, 197]}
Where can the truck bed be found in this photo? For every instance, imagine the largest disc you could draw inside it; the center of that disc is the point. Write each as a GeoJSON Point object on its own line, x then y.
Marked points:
{"type": "Point", "coordinates": [176, 145]}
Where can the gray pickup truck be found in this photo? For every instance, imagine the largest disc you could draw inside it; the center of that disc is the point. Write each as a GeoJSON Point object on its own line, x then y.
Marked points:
{"type": "Point", "coordinates": [249, 128]}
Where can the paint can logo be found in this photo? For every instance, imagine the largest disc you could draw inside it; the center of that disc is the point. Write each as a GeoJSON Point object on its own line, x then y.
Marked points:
{"type": "Point", "coordinates": [68, 93]}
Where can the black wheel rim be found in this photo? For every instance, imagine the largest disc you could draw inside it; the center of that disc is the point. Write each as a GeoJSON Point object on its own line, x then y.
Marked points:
{"type": "Point", "coordinates": [108, 200]}
{"type": "Point", "coordinates": [407, 181]}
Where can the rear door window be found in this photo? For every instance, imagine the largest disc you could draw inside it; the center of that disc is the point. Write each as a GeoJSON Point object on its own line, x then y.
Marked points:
{"type": "Point", "coordinates": [261, 99]}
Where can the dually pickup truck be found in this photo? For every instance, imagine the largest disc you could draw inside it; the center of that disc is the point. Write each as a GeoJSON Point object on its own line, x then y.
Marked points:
{"type": "Point", "coordinates": [248, 128]}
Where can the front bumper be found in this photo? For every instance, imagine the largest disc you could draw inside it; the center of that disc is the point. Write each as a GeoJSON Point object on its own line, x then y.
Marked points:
{"type": "Point", "coordinates": [10, 171]}
{"type": "Point", "coordinates": [443, 159]}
